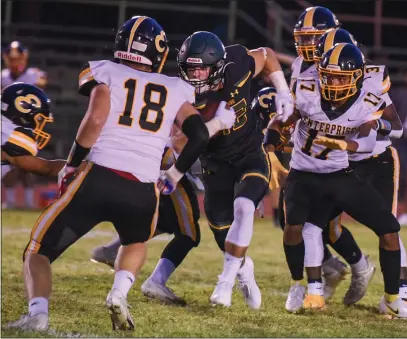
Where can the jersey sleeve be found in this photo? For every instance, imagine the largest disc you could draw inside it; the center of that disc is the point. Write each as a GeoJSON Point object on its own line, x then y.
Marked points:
{"type": "Point", "coordinates": [240, 65]}
{"type": "Point", "coordinates": [41, 79]}
{"type": "Point", "coordinates": [92, 74]}
{"type": "Point", "coordinates": [20, 142]}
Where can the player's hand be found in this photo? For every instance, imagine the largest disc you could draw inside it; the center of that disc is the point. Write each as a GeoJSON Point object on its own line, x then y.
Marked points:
{"type": "Point", "coordinates": [167, 182]}
{"type": "Point", "coordinates": [65, 177]}
{"type": "Point", "coordinates": [331, 143]}
{"type": "Point", "coordinates": [284, 105]}
{"type": "Point", "coordinates": [226, 116]}
{"type": "Point", "coordinates": [278, 172]}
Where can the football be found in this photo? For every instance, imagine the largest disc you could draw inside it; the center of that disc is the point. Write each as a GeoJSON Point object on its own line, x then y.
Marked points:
{"type": "Point", "coordinates": [209, 111]}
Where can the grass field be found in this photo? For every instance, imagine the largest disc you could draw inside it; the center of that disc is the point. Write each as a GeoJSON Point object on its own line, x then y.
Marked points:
{"type": "Point", "coordinates": [80, 288]}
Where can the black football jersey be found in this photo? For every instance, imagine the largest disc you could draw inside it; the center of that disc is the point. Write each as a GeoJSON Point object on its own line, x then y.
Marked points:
{"type": "Point", "coordinates": [244, 136]}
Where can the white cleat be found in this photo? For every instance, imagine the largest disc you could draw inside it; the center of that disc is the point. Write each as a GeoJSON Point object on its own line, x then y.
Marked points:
{"type": "Point", "coordinates": [222, 295]}
{"type": "Point", "coordinates": [38, 322]}
{"type": "Point", "coordinates": [119, 312]}
{"type": "Point", "coordinates": [247, 284]}
{"type": "Point", "coordinates": [334, 272]}
{"type": "Point", "coordinates": [396, 309]}
{"type": "Point", "coordinates": [295, 298]}
{"type": "Point", "coordinates": [161, 292]}
{"type": "Point", "coordinates": [359, 283]}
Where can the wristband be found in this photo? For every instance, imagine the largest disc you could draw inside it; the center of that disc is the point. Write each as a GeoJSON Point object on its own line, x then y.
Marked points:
{"type": "Point", "coordinates": [77, 154]}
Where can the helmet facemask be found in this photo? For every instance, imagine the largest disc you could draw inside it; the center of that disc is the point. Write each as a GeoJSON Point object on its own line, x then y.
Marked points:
{"type": "Point", "coordinates": [306, 42]}
{"type": "Point", "coordinates": [215, 76]}
{"type": "Point", "coordinates": [41, 138]}
{"type": "Point", "coordinates": [336, 84]}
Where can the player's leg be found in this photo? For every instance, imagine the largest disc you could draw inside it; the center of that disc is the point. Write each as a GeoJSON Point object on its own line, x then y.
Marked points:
{"type": "Point", "coordinates": [296, 207]}
{"type": "Point", "coordinates": [133, 210]}
{"type": "Point", "coordinates": [59, 226]}
{"type": "Point", "coordinates": [362, 202]}
{"type": "Point", "coordinates": [386, 181]}
{"type": "Point", "coordinates": [254, 177]}
{"type": "Point", "coordinates": [179, 214]}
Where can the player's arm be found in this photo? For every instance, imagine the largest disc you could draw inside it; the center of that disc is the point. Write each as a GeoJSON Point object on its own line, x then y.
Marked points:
{"type": "Point", "coordinates": [278, 133]}
{"type": "Point", "coordinates": [91, 125]}
{"type": "Point", "coordinates": [389, 123]}
{"type": "Point", "coordinates": [285, 58]}
{"type": "Point", "coordinates": [363, 143]}
{"type": "Point", "coordinates": [267, 64]}
{"type": "Point", "coordinates": [193, 127]}
{"type": "Point", "coordinates": [36, 165]}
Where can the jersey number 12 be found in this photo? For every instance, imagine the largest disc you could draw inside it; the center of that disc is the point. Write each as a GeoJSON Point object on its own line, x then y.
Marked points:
{"type": "Point", "coordinates": [126, 118]}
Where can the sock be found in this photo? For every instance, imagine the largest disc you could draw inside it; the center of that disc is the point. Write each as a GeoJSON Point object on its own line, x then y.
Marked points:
{"type": "Point", "coordinates": [178, 248]}
{"type": "Point", "coordinates": [403, 289]}
{"type": "Point", "coordinates": [347, 247]}
{"type": "Point", "coordinates": [11, 197]}
{"type": "Point", "coordinates": [391, 297]}
{"type": "Point", "coordinates": [295, 260]}
{"type": "Point", "coordinates": [390, 266]}
{"type": "Point", "coordinates": [275, 217]}
{"type": "Point", "coordinates": [315, 287]}
{"type": "Point", "coordinates": [123, 280]}
{"type": "Point", "coordinates": [327, 253]}
{"type": "Point", "coordinates": [231, 265]}
{"type": "Point", "coordinates": [38, 305]}
{"type": "Point", "coordinates": [29, 197]}
{"type": "Point", "coordinates": [114, 244]}
{"type": "Point", "coordinates": [162, 271]}
{"type": "Point", "coordinates": [361, 265]}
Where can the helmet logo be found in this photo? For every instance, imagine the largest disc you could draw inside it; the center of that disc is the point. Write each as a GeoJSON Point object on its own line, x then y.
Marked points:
{"type": "Point", "coordinates": [29, 99]}
{"type": "Point", "coordinates": [158, 42]}
{"type": "Point", "coordinates": [268, 96]}
{"type": "Point", "coordinates": [195, 60]}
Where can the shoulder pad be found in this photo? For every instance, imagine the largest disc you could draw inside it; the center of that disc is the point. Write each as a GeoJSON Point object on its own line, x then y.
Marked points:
{"type": "Point", "coordinates": [21, 142]}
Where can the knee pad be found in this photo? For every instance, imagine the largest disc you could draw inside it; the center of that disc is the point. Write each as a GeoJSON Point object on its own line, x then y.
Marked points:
{"type": "Point", "coordinates": [314, 247]}
{"type": "Point", "coordinates": [241, 231]}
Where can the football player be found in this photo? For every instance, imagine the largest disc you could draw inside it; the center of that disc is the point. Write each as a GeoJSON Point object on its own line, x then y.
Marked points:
{"type": "Point", "coordinates": [131, 110]}
{"type": "Point", "coordinates": [25, 111]}
{"type": "Point", "coordinates": [379, 167]}
{"type": "Point", "coordinates": [178, 215]}
{"type": "Point", "coordinates": [336, 116]}
{"type": "Point", "coordinates": [15, 58]}
{"type": "Point", "coordinates": [236, 169]}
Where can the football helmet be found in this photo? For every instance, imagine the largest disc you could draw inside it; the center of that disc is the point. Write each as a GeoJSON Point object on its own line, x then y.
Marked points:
{"type": "Point", "coordinates": [341, 72]}
{"type": "Point", "coordinates": [311, 24]}
{"type": "Point", "coordinates": [200, 50]}
{"type": "Point", "coordinates": [329, 39]}
{"type": "Point", "coordinates": [15, 57]}
{"type": "Point", "coordinates": [28, 106]}
{"type": "Point", "coordinates": [142, 40]}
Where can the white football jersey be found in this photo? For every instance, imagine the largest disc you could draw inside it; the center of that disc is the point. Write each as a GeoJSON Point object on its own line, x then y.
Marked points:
{"type": "Point", "coordinates": [32, 76]}
{"type": "Point", "coordinates": [319, 120]}
{"type": "Point", "coordinates": [301, 69]}
{"type": "Point", "coordinates": [15, 141]}
{"type": "Point", "coordinates": [143, 107]}
{"type": "Point", "coordinates": [376, 81]}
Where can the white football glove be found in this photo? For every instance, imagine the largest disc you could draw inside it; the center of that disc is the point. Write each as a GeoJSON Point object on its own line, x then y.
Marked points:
{"type": "Point", "coordinates": [227, 117]}
{"type": "Point", "coordinates": [168, 180]}
{"type": "Point", "coordinates": [284, 105]}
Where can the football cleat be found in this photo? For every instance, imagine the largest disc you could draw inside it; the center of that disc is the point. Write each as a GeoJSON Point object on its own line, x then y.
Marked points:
{"type": "Point", "coordinates": [247, 284]}
{"type": "Point", "coordinates": [314, 302]}
{"type": "Point", "coordinates": [38, 322]}
{"type": "Point", "coordinates": [359, 283]}
{"type": "Point", "coordinates": [119, 312]}
{"type": "Point", "coordinates": [161, 292]}
{"type": "Point", "coordinates": [334, 272]}
{"type": "Point", "coordinates": [396, 309]}
{"type": "Point", "coordinates": [222, 295]}
{"type": "Point", "coordinates": [295, 298]}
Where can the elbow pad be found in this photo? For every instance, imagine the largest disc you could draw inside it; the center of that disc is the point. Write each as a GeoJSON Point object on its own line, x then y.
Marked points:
{"type": "Point", "coordinates": [198, 136]}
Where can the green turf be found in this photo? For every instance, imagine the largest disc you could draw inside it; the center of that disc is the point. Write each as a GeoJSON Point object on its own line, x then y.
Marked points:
{"type": "Point", "coordinates": [80, 288]}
